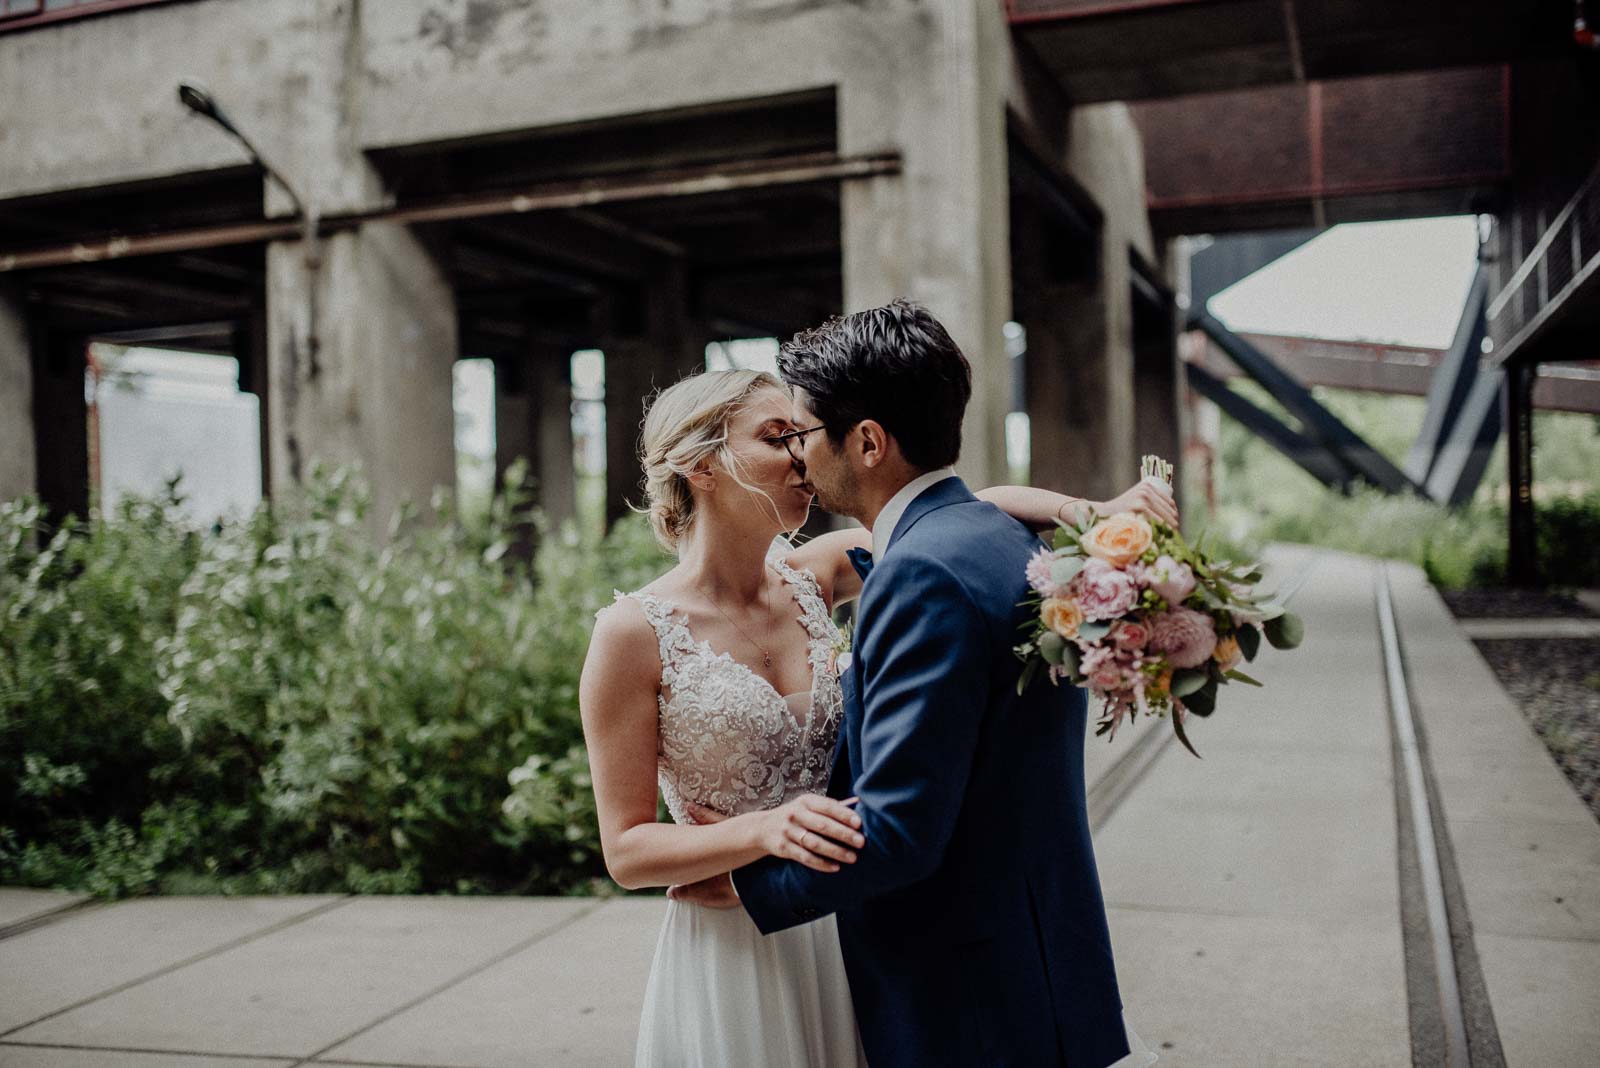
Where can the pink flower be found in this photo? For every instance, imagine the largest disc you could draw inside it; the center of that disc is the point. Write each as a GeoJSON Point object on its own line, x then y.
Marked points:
{"type": "Point", "coordinates": [1039, 574]}
{"type": "Point", "coordinates": [1186, 636]}
{"type": "Point", "coordinates": [1105, 667]}
{"type": "Point", "coordinates": [1103, 591]}
{"type": "Point", "coordinates": [1172, 580]}
{"type": "Point", "coordinates": [1131, 635]}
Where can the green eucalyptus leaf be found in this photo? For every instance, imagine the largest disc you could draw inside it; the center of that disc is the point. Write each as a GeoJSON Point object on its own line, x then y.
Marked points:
{"type": "Point", "coordinates": [1029, 673]}
{"type": "Point", "coordinates": [1285, 631]}
{"type": "Point", "coordinates": [1064, 569]}
{"type": "Point", "coordinates": [1249, 641]}
{"type": "Point", "coordinates": [1203, 701]}
{"type": "Point", "coordinates": [1093, 632]}
{"type": "Point", "coordinates": [1051, 647]}
{"type": "Point", "coordinates": [1186, 681]}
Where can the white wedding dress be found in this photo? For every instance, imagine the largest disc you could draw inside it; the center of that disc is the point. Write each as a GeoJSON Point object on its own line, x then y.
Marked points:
{"type": "Point", "coordinates": [720, 993]}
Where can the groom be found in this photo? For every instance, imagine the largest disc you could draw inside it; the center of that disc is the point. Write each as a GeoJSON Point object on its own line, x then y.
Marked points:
{"type": "Point", "coordinates": [972, 925]}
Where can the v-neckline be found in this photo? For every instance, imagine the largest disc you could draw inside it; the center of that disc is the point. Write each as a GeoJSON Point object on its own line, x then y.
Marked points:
{"type": "Point", "coordinates": [783, 699]}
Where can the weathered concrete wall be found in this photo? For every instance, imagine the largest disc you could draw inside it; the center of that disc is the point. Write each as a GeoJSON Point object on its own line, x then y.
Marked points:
{"type": "Point", "coordinates": [94, 102]}
{"type": "Point", "coordinates": [438, 70]}
{"type": "Point", "coordinates": [17, 463]}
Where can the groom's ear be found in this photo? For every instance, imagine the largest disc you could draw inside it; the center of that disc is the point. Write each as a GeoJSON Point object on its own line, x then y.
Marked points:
{"type": "Point", "coordinates": [874, 442]}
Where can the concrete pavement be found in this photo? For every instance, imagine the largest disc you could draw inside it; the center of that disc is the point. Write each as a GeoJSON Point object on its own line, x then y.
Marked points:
{"type": "Point", "coordinates": [1255, 902]}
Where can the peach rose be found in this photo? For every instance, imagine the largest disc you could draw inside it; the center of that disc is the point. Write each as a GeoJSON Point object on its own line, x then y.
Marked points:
{"type": "Point", "coordinates": [1228, 654]}
{"type": "Point", "coordinates": [1160, 685]}
{"type": "Point", "coordinates": [1118, 541]}
{"type": "Point", "coordinates": [1062, 615]}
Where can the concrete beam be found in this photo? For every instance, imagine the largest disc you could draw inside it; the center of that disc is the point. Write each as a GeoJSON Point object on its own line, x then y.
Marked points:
{"type": "Point", "coordinates": [17, 459]}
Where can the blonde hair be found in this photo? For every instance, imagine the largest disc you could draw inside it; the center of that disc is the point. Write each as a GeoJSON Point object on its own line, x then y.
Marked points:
{"type": "Point", "coordinates": [684, 425]}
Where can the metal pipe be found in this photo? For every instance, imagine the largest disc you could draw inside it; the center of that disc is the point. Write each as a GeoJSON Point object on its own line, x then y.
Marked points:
{"type": "Point", "coordinates": [789, 170]}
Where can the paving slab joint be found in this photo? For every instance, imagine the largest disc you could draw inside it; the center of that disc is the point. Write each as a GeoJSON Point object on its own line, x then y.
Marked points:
{"type": "Point", "coordinates": [167, 969]}
{"type": "Point", "coordinates": [1451, 1019]}
{"type": "Point", "coordinates": [460, 977]}
{"type": "Point", "coordinates": [60, 913]}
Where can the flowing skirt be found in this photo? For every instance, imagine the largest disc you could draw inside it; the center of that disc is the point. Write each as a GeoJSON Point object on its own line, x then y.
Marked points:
{"type": "Point", "coordinates": [722, 994]}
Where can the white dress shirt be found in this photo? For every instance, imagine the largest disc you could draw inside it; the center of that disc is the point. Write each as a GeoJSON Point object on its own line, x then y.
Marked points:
{"type": "Point", "coordinates": [883, 526]}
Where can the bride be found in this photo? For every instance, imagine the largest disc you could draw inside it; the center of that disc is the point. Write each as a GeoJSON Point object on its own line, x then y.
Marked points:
{"type": "Point", "coordinates": [718, 684]}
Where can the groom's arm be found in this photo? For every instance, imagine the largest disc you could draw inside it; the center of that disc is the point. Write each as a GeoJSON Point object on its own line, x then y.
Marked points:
{"type": "Point", "coordinates": [925, 685]}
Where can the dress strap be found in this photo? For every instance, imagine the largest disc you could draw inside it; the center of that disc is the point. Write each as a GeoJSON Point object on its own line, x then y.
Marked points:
{"type": "Point", "coordinates": [808, 592]}
{"type": "Point", "coordinates": [672, 634]}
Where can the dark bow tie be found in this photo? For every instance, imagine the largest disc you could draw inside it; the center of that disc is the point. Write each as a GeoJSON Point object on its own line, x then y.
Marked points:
{"type": "Point", "coordinates": [861, 560]}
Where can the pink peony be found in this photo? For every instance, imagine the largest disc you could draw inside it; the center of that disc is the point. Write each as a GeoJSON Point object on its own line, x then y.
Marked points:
{"type": "Point", "coordinates": [1106, 668]}
{"type": "Point", "coordinates": [1172, 580]}
{"type": "Point", "coordinates": [1131, 635]}
{"type": "Point", "coordinates": [1103, 591]}
{"type": "Point", "coordinates": [1187, 637]}
{"type": "Point", "coordinates": [1039, 574]}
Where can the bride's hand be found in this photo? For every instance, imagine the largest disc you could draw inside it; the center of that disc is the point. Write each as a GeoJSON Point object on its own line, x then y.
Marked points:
{"type": "Point", "coordinates": [1146, 499]}
{"type": "Point", "coordinates": [813, 830]}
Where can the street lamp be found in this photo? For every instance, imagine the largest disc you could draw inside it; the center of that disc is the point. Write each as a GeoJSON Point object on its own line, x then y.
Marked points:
{"type": "Point", "coordinates": [197, 99]}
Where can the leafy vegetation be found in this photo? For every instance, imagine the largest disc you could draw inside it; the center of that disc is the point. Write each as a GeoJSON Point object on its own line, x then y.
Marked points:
{"type": "Point", "coordinates": [286, 706]}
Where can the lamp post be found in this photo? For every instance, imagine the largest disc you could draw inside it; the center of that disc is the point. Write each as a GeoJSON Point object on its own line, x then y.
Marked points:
{"type": "Point", "coordinates": [198, 100]}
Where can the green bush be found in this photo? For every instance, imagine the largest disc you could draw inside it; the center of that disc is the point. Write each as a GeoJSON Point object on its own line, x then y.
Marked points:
{"type": "Point", "coordinates": [285, 706]}
{"type": "Point", "coordinates": [1263, 496]}
{"type": "Point", "coordinates": [1456, 547]}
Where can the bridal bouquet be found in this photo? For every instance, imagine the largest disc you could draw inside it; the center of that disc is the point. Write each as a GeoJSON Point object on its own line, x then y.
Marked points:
{"type": "Point", "coordinates": [1148, 624]}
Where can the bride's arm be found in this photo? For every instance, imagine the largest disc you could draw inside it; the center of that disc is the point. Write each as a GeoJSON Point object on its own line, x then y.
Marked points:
{"type": "Point", "coordinates": [617, 699]}
{"type": "Point", "coordinates": [1041, 508]}
{"type": "Point", "coordinates": [1037, 508]}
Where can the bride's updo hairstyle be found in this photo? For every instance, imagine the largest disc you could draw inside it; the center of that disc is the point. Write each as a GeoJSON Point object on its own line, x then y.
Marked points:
{"type": "Point", "coordinates": [687, 424]}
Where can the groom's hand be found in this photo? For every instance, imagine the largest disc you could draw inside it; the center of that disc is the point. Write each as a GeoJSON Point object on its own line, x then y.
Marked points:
{"type": "Point", "coordinates": [716, 892]}
{"type": "Point", "coordinates": [1146, 499]}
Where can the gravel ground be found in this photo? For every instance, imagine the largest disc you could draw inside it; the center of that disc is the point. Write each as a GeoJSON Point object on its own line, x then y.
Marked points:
{"type": "Point", "coordinates": [1555, 681]}
{"type": "Point", "coordinates": [1505, 603]}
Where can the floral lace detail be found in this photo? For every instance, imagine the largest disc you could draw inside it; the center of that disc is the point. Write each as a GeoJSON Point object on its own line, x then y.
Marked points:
{"type": "Point", "coordinates": [728, 739]}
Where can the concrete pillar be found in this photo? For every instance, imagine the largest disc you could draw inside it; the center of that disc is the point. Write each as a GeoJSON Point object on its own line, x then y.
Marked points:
{"type": "Point", "coordinates": [1083, 402]}
{"type": "Point", "coordinates": [60, 421]}
{"type": "Point", "coordinates": [938, 232]}
{"type": "Point", "coordinates": [250, 349]}
{"type": "Point", "coordinates": [18, 474]}
{"type": "Point", "coordinates": [533, 421]}
{"type": "Point", "coordinates": [673, 346]}
{"type": "Point", "coordinates": [632, 374]}
{"type": "Point", "coordinates": [1157, 388]}
{"type": "Point", "coordinates": [379, 392]}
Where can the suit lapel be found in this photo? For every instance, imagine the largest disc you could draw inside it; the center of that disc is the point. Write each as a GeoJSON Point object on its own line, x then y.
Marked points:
{"type": "Point", "coordinates": [846, 750]}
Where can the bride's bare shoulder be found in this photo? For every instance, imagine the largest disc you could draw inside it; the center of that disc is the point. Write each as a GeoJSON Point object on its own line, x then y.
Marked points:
{"type": "Point", "coordinates": [622, 632]}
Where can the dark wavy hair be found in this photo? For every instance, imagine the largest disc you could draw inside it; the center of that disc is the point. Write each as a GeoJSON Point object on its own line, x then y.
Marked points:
{"type": "Point", "coordinates": [896, 364]}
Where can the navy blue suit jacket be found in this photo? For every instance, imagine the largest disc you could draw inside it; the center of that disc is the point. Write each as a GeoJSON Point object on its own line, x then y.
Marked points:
{"type": "Point", "coordinates": [972, 924]}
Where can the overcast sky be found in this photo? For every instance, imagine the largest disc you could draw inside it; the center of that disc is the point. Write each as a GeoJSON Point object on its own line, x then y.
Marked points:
{"type": "Point", "coordinates": [1394, 282]}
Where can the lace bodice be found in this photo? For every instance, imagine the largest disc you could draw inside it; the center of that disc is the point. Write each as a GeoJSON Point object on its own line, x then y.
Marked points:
{"type": "Point", "coordinates": [728, 739]}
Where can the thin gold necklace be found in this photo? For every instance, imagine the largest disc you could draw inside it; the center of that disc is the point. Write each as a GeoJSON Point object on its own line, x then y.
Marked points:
{"type": "Point", "coordinates": [766, 657]}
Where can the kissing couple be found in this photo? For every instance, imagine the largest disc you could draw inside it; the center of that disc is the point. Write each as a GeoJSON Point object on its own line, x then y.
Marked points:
{"type": "Point", "coordinates": [879, 851]}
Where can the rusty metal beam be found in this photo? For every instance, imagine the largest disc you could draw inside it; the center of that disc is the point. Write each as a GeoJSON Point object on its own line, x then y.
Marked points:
{"type": "Point", "coordinates": [586, 193]}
